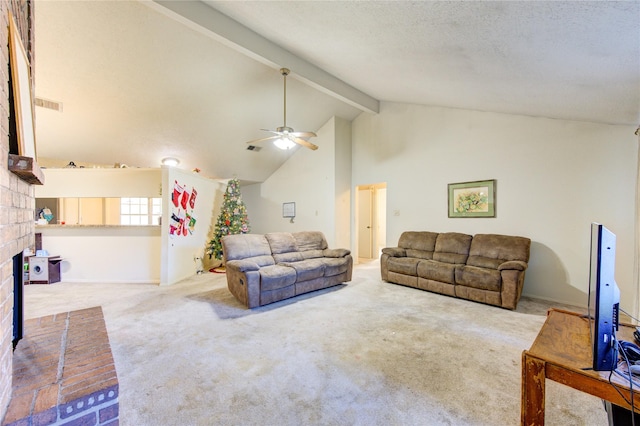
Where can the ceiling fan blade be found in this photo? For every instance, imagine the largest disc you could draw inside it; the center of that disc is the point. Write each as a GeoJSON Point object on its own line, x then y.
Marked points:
{"type": "Point", "coordinates": [303, 134]}
{"type": "Point", "coordinates": [305, 143]}
{"type": "Point", "coordinates": [270, 138]}
{"type": "Point", "coordinates": [275, 132]}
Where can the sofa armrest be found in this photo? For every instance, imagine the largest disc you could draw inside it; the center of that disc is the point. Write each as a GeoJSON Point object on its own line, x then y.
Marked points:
{"type": "Point", "coordinates": [335, 252]}
{"type": "Point", "coordinates": [244, 284]}
{"type": "Point", "coordinates": [512, 283]}
{"type": "Point", "coordinates": [242, 265]}
{"type": "Point", "coordinates": [518, 265]}
{"type": "Point", "coordinates": [395, 251]}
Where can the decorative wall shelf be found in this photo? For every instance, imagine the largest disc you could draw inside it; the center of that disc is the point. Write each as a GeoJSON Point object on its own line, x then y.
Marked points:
{"type": "Point", "coordinates": [26, 169]}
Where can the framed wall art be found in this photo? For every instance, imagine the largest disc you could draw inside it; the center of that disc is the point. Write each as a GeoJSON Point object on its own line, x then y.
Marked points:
{"type": "Point", "coordinates": [472, 199]}
{"type": "Point", "coordinates": [289, 210]}
{"type": "Point", "coordinates": [22, 100]}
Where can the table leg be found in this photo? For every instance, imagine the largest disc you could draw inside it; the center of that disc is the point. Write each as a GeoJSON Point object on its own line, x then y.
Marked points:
{"type": "Point", "coordinates": [533, 383]}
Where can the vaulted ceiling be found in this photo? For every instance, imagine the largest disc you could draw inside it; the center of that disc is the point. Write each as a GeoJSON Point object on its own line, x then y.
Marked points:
{"type": "Point", "coordinates": [143, 80]}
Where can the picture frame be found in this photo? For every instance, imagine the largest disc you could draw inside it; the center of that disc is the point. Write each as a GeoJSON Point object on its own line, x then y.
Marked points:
{"type": "Point", "coordinates": [22, 98]}
{"type": "Point", "coordinates": [472, 199]}
{"type": "Point", "coordinates": [289, 210]}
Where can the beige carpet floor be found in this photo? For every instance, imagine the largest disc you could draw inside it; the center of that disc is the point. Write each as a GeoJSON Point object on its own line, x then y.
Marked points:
{"type": "Point", "coordinates": [365, 353]}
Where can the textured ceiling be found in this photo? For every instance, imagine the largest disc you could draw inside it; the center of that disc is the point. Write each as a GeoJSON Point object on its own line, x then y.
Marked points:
{"type": "Point", "coordinates": [139, 82]}
{"type": "Point", "coordinates": [573, 60]}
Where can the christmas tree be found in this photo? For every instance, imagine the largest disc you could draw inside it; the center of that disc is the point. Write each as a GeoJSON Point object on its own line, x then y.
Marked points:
{"type": "Point", "coordinates": [232, 220]}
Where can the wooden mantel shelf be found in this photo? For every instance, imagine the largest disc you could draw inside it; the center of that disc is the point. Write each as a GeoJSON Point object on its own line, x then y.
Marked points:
{"type": "Point", "coordinates": [26, 169]}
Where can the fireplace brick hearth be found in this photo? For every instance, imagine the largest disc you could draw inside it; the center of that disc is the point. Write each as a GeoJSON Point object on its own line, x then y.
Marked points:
{"type": "Point", "coordinates": [63, 373]}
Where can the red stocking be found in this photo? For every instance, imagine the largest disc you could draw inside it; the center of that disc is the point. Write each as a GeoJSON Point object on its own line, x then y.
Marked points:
{"type": "Point", "coordinates": [177, 190]}
{"type": "Point", "coordinates": [192, 200]}
{"type": "Point", "coordinates": [184, 200]}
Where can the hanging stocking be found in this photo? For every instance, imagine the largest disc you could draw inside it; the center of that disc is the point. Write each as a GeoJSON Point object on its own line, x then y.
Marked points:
{"type": "Point", "coordinates": [185, 199]}
{"type": "Point", "coordinates": [177, 191]}
{"type": "Point", "coordinates": [192, 200]}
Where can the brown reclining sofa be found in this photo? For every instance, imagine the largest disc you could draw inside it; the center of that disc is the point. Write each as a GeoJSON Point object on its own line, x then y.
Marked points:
{"type": "Point", "coordinates": [486, 268]}
{"type": "Point", "coordinates": [263, 269]}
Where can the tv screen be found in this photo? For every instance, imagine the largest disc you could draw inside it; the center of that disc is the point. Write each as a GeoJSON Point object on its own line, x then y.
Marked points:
{"type": "Point", "coordinates": [604, 298]}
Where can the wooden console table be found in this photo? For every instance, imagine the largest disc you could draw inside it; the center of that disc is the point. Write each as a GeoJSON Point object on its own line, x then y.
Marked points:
{"type": "Point", "coordinates": [562, 353]}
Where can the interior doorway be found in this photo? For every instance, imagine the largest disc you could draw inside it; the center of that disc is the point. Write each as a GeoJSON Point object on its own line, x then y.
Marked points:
{"type": "Point", "coordinates": [371, 220]}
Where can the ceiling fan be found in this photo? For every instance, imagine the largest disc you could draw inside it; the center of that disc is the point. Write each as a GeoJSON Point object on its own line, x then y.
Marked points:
{"type": "Point", "coordinates": [285, 137]}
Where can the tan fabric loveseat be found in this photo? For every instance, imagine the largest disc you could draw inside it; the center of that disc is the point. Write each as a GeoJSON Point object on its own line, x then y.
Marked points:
{"type": "Point", "coordinates": [263, 269]}
{"type": "Point", "coordinates": [486, 268]}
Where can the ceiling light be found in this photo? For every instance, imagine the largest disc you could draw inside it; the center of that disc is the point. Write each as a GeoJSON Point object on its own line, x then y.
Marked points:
{"type": "Point", "coordinates": [170, 161]}
{"type": "Point", "coordinates": [284, 143]}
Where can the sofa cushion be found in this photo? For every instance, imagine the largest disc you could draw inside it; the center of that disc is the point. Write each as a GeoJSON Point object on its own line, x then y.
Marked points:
{"type": "Point", "coordinates": [339, 252]}
{"type": "Point", "coordinates": [243, 246]}
{"type": "Point", "coordinates": [294, 256]}
{"type": "Point", "coordinates": [484, 262]}
{"type": "Point", "coordinates": [452, 247]}
{"type": "Point", "coordinates": [394, 251]}
{"type": "Point", "coordinates": [311, 254]}
{"type": "Point", "coordinates": [283, 247]}
{"type": "Point", "coordinates": [281, 242]}
{"type": "Point", "coordinates": [418, 240]}
{"type": "Point", "coordinates": [276, 276]}
{"type": "Point", "coordinates": [419, 254]}
{"type": "Point", "coordinates": [480, 278]}
{"type": "Point", "coordinates": [437, 271]}
{"type": "Point", "coordinates": [244, 265]}
{"type": "Point", "coordinates": [307, 269]}
{"type": "Point", "coordinates": [310, 240]}
{"type": "Point", "coordinates": [504, 247]}
{"type": "Point", "coordinates": [403, 265]}
{"type": "Point", "coordinates": [335, 266]}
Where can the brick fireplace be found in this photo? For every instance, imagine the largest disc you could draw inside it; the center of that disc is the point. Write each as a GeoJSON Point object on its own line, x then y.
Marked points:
{"type": "Point", "coordinates": [16, 198]}
{"type": "Point", "coordinates": [16, 202]}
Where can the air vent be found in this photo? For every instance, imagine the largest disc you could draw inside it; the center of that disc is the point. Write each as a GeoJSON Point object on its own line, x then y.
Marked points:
{"type": "Point", "coordinates": [45, 103]}
{"type": "Point", "coordinates": [253, 148]}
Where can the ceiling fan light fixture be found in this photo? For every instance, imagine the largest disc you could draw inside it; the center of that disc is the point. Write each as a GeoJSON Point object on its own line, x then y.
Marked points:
{"type": "Point", "coordinates": [285, 137]}
{"type": "Point", "coordinates": [284, 143]}
{"type": "Point", "coordinates": [170, 161]}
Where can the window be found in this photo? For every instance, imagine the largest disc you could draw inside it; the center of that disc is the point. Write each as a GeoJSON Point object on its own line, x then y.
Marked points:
{"type": "Point", "coordinates": [156, 210]}
{"type": "Point", "coordinates": [140, 211]}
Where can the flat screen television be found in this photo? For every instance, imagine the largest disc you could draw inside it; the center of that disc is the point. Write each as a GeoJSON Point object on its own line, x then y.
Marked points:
{"type": "Point", "coordinates": [604, 298]}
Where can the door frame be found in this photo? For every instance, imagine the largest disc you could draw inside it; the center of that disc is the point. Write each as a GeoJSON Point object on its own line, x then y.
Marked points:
{"type": "Point", "coordinates": [378, 225]}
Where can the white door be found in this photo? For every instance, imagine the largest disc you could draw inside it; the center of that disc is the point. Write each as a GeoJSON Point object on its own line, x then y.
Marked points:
{"type": "Point", "coordinates": [365, 240]}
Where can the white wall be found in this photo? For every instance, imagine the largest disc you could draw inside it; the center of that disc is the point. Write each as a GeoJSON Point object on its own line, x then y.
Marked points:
{"type": "Point", "coordinates": [96, 254]}
{"type": "Point", "coordinates": [90, 182]}
{"type": "Point", "coordinates": [317, 181]}
{"type": "Point", "coordinates": [99, 253]}
{"type": "Point", "coordinates": [179, 249]}
{"type": "Point", "coordinates": [343, 160]}
{"type": "Point", "coordinates": [554, 178]}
